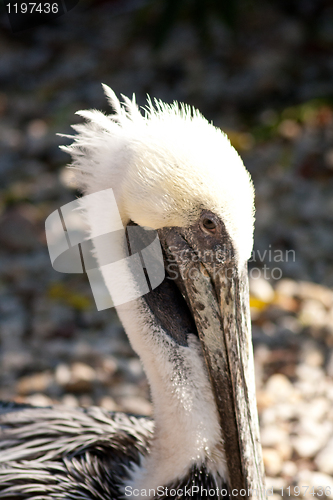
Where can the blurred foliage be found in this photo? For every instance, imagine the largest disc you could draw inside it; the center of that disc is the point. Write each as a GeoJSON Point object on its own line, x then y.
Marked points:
{"type": "Point", "coordinates": [62, 293]}
{"type": "Point", "coordinates": [158, 17]}
{"type": "Point", "coordinates": [15, 194]}
{"type": "Point", "coordinates": [241, 141]}
{"type": "Point", "coordinates": [273, 123]}
{"type": "Point", "coordinates": [258, 304]}
{"type": "Point", "coordinates": [311, 111]}
{"type": "Point", "coordinates": [286, 123]}
{"type": "Point", "coordinates": [162, 15]}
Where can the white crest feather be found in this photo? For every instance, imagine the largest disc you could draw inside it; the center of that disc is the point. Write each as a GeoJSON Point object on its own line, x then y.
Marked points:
{"type": "Point", "coordinates": [164, 167]}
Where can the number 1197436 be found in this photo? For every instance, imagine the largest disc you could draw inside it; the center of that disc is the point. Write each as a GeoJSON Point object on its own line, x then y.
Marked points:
{"type": "Point", "coordinates": [318, 491]}
{"type": "Point", "coordinates": [32, 7]}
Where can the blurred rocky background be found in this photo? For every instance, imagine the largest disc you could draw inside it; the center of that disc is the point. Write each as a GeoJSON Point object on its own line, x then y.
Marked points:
{"type": "Point", "coordinates": [263, 72]}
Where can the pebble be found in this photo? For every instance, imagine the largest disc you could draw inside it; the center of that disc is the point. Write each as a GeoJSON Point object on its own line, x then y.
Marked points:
{"type": "Point", "coordinates": [70, 400]}
{"type": "Point", "coordinates": [81, 379]}
{"type": "Point", "coordinates": [324, 459]}
{"type": "Point", "coordinates": [285, 449]}
{"type": "Point", "coordinates": [62, 374]}
{"type": "Point", "coordinates": [272, 435]}
{"type": "Point", "coordinates": [316, 292]}
{"type": "Point", "coordinates": [136, 405]}
{"type": "Point", "coordinates": [262, 289]}
{"type": "Point", "coordinates": [85, 400]}
{"type": "Point", "coordinates": [285, 411]}
{"type": "Point", "coordinates": [78, 377]}
{"type": "Point", "coordinates": [39, 399]}
{"type": "Point", "coordinates": [287, 287]}
{"type": "Point", "coordinates": [317, 409]}
{"type": "Point", "coordinates": [280, 387]}
{"type": "Point", "coordinates": [110, 365]}
{"type": "Point", "coordinates": [330, 364]}
{"type": "Point", "coordinates": [313, 313]}
{"type": "Point", "coordinates": [277, 483]}
{"type": "Point", "coordinates": [272, 461]}
{"type": "Point", "coordinates": [320, 482]}
{"type": "Point", "coordinates": [311, 355]}
{"type": "Point", "coordinates": [289, 468]}
{"type": "Point", "coordinates": [108, 404]}
{"type": "Point", "coordinates": [307, 446]}
{"type": "Point", "coordinates": [274, 496]}
{"type": "Point", "coordinates": [37, 382]}
{"type": "Point", "coordinates": [309, 373]}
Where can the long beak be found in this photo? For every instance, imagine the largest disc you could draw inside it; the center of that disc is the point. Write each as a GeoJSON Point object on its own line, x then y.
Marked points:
{"type": "Point", "coordinates": [220, 307]}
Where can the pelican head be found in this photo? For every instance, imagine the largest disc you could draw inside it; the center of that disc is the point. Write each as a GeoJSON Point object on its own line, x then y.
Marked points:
{"type": "Point", "coordinates": [173, 171]}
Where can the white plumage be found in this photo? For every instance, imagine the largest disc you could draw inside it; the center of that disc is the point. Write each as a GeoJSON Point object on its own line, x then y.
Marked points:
{"type": "Point", "coordinates": [164, 167]}
{"type": "Point", "coordinates": [169, 169]}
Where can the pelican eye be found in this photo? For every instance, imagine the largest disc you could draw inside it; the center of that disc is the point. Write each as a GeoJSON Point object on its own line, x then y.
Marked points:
{"type": "Point", "coordinates": [209, 224]}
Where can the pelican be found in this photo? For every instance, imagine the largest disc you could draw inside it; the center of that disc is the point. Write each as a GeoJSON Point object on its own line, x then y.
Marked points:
{"type": "Point", "coordinates": [172, 171]}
